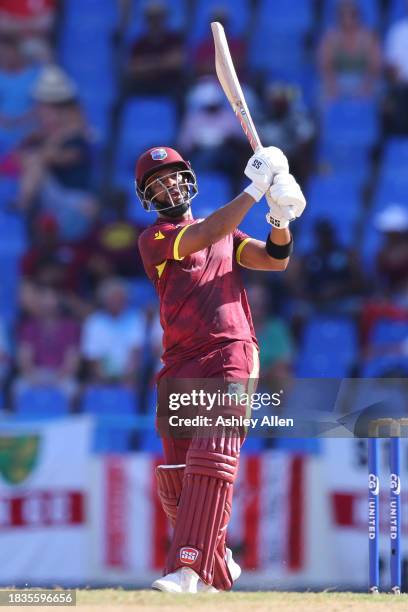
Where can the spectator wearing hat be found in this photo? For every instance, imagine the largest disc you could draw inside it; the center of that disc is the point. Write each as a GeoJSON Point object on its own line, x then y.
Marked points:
{"type": "Point", "coordinates": [392, 258]}
{"type": "Point", "coordinates": [56, 159]}
{"type": "Point", "coordinates": [157, 60]}
{"type": "Point", "coordinates": [390, 301]}
{"type": "Point", "coordinates": [210, 136]}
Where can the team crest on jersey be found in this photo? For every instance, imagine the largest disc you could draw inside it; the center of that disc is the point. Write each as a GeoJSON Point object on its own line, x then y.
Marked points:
{"type": "Point", "coordinates": [188, 555]}
{"type": "Point", "coordinates": [158, 154]}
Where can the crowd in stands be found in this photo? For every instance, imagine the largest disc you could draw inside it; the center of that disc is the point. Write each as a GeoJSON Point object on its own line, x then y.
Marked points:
{"type": "Point", "coordinates": [86, 87]}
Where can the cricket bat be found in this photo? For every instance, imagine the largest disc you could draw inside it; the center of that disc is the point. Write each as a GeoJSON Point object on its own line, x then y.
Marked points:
{"type": "Point", "coordinates": [229, 82]}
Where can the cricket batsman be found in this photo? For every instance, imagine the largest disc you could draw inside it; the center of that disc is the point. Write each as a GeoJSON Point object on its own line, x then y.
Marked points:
{"type": "Point", "coordinates": [208, 333]}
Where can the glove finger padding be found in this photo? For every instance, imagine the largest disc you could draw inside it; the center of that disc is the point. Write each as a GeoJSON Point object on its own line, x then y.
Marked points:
{"type": "Point", "coordinates": [285, 192]}
{"type": "Point", "coordinates": [261, 169]}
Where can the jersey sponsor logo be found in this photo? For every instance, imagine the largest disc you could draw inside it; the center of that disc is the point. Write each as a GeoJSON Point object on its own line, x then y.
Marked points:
{"type": "Point", "coordinates": [188, 555]}
{"type": "Point", "coordinates": [159, 236]}
{"type": "Point", "coordinates": [158, 154]}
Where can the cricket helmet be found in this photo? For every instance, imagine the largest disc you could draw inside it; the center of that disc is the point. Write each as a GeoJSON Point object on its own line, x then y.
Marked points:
{"type": "Point", "coordinates": [155, 159]}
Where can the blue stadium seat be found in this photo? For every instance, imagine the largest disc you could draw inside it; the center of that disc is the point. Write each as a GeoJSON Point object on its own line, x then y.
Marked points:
{"type": "Point", "coordinates": [254, 223]}
{"type": "Point", "coordinates": [284, 16]}
{"type": "Point", "coordinates": [354, 122]}
{"type": "Point", "coordinates": [383, 365]}
{"type": "Point", "coordinates": [387, 331]}
{"type": "Point", "coordinates": [397, 10]}
{"type": "Point", "coordinates": [146, 122]}
{"type": "Point", "coordinates": [214, 191]}
{"type": "Point", "coordinates": [369, 11]}
{"type": "Point", "coordinates": [335, 198]}
{"type": "Point", "coordinates": [91, 16]}
{"type": "Point", "coordinates": [10, 276]}
{"type": "Point", "coordinates": [277, 53]}
{"type": "Point", "coordinates": [391, 190]}
{"type": "Point", "coordinates": [141, 293]}
{"type": "Point", "coordinates": [344, 159]}
{"type": "Point", "coordinates": [372, 241]}
{"type": "Point", "coordinates": [238, 17]}
{"type": "Point", "coordinates": [177, 15]}
{"type": "Point", "coordinates": [41, 402]}
{"type": "Point", "coordinates": [396, 151]}
{"type": "Point", "coordinates": [13, 233]}
{"type": "Point", "coordinates": [150, 441]}
{"type": "Point", "coordinates": [329, 347]}
{"type": "Point", "coordinates": [109, 401]}
{"type": "Point", "coordinates": [110, 439]}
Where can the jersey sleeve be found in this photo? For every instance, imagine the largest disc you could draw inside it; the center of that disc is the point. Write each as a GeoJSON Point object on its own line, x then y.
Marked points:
{"type": "Point", "coordinates": [240, 240]}
{"type": "Point", "coordinates": [158, 244]}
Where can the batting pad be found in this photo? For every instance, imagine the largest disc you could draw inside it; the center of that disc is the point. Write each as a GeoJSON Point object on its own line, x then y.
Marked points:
{"type": "Point", "coordinates": [204, 507]}
{"type": "Point", "coordinates": [169, 487]}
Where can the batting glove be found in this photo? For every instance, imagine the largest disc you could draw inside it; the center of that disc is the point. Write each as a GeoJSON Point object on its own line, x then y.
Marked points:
{"type": "Point", "coordinates": [285, 200]}
{"type": "Point", "coordinates": [262, 168]}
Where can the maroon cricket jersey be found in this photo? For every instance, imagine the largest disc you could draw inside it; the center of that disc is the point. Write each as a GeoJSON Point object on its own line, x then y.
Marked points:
{"type": "Point", "coordinates": [203, 303]}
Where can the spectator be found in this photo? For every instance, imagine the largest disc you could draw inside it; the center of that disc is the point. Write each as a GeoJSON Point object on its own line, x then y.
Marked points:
{"type": "Point", "coordinates": [56, 160]}
{"type": "Point", "coordinates": [275, 340]}
{"type": "Point", "coordinates": [396, 64]}
{"type": "Point", "coordinates": [157, 62]}
{"type": "Point", "coordinates": [48, 349]}
{"type": "Point", "coordinates": [203, 54]}
{"type": "Point", "coordinates": [113, 337]}
{"type": "Point", "coordinates": [328, 277]}
{"type": "Point", "coordinates": [17, 78]}
{"type": "Point", "coordinates": [32, 22]}
{"type": "Point", "coordinates": [210, 136]}
{"type": "Point", "coordinates": [286, 124]}
{"type": "Point", "coordinates": [349, 56]}
{"type": "Point", "coordinates": [112, 246]}
{"type": "Point", "coordinates": [392, 258]}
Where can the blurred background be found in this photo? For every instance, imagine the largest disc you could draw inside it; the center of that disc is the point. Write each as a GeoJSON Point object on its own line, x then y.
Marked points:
{"type": "Point", "coordinates": [85, 87]}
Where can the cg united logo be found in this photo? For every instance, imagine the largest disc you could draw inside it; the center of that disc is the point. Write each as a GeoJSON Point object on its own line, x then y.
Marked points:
{"type": "Point", "coordinates": [188, 555]}
{"type": "Point", "coordinates": [373, 484]}
{"type": "Point", "coordinates": [395, 484]}
{"type": "Point", "coordinates": [158, 154]}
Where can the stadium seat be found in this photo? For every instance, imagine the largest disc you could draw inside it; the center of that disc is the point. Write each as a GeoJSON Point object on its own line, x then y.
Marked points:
{"type": "Point", "coordinates": [397, 10]}
{"type": "Point", "coordinates": [13, 233]}
{"type": "Point", "coordinates": [391, 189]}
{"type": "Point", "coordinates": [320, 334]}
{"type": "Point", "coordinates": [109, 401]}
{"type": "Point", "coordinates": [344, 159]}
{"type": "Point", "coordinates": [387, 331]}
{"type": "Point", "coordinates": [41, 402]}
{"type": "Point", "coordinates": [384, 366]}
{"type": "Point", "coordinates": [284, 16]}
{"type": "Point", "coordinates": [10, 277]}
{"type": "Point", "coordinates": [213, 191]}
{"type": "Point", "coordinates": [91, 16]}
{"type": "Point", "coordinates": [369, 11]}
{"type": "Point", "coordinates": [238, 17]}
{"type": "Point", "coordinates": [334, 198]}
{"type": "Point", "coordinates": [278, 55]}
{"type": "Point", "coordinates": [141, 293]}
{"type": "Point", "coordinates": [110, 439]}
{"type": "Point", "coordinates": [178, 11]}
{"type": "Point", "coordinates": [352, 122]}
{"type": "Point", "coordinates": [146, 122]}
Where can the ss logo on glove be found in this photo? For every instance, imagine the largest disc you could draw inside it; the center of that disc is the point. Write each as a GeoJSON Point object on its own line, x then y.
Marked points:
{"type": "Point", "coordinates": [257, 163]}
